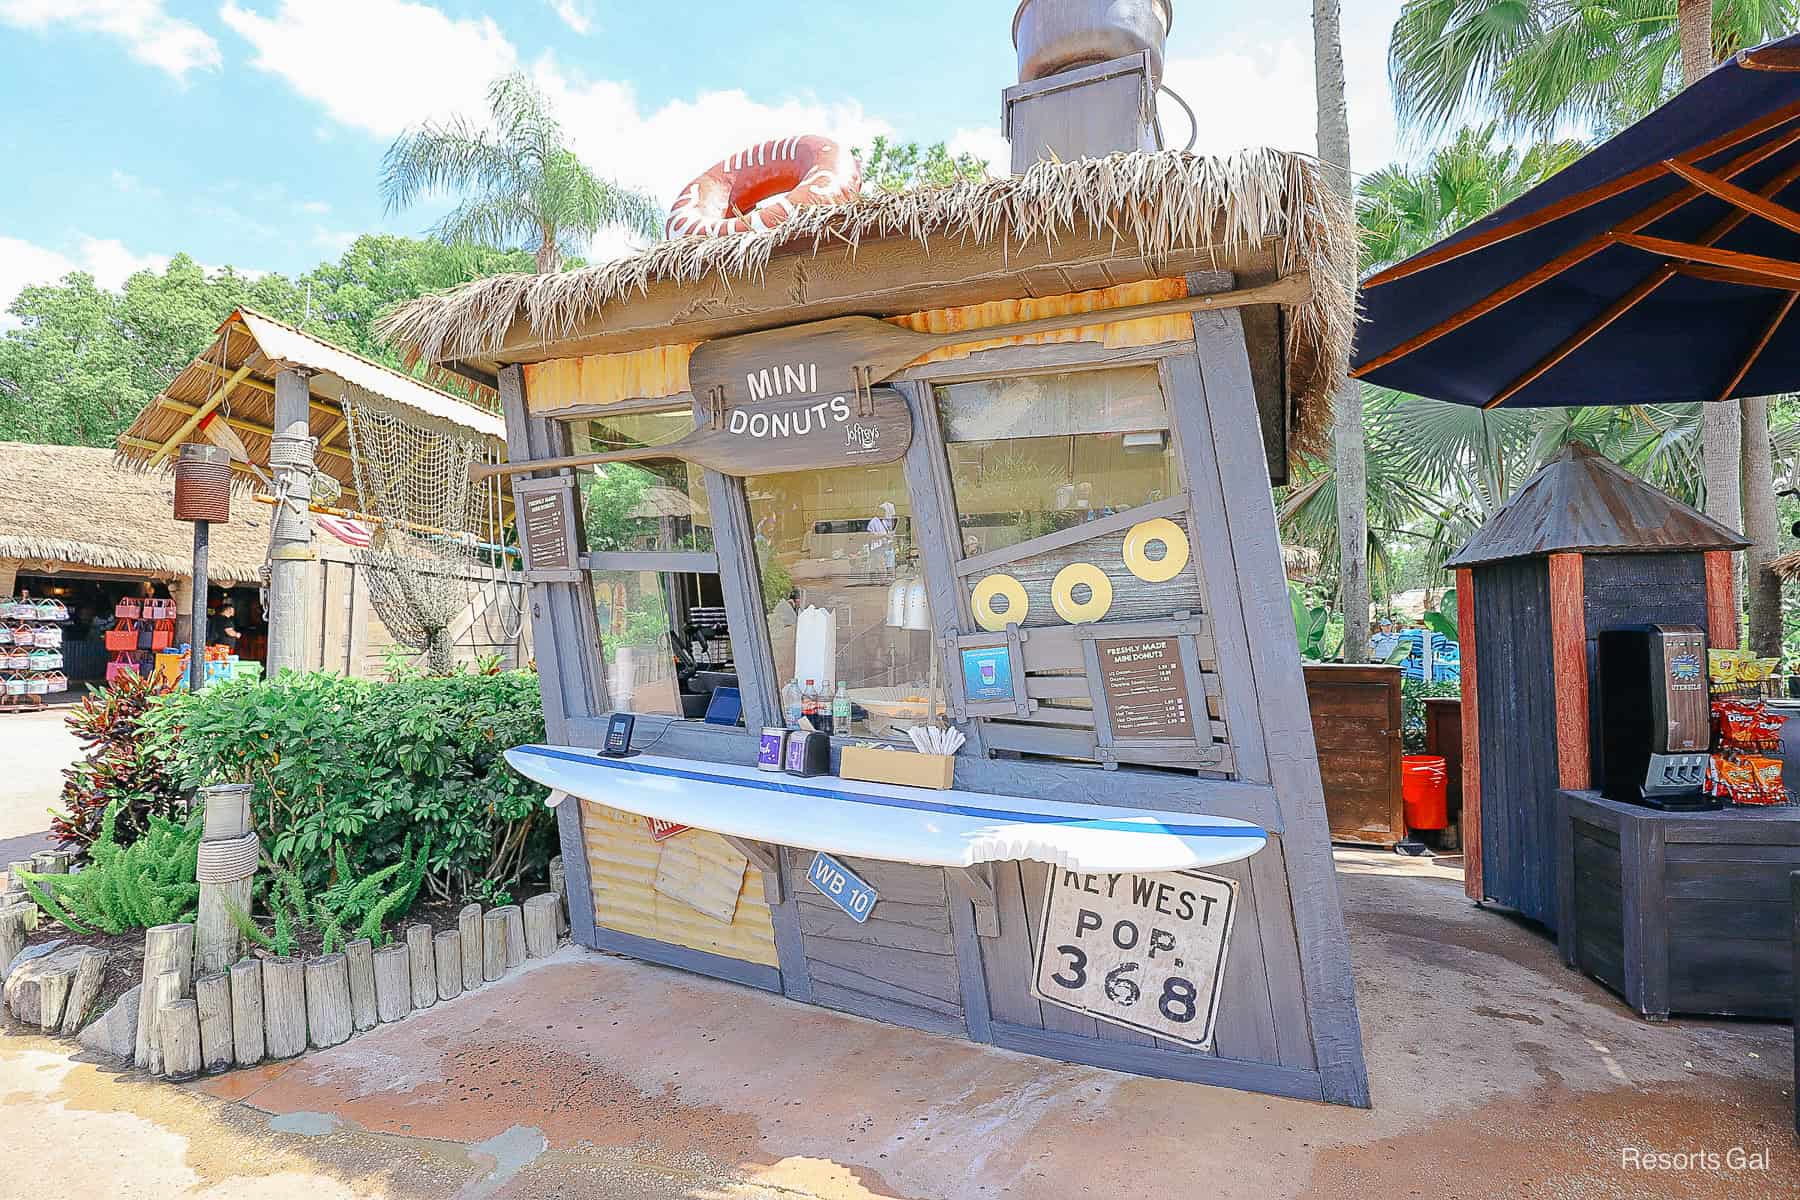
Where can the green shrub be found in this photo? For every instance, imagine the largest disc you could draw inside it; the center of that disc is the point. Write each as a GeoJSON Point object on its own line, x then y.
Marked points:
{"type": "Point", "coordinates": [1413, 694]}
{"type": "Point", "coordinates": [150, 882]}
{"type": "Point", "coordinates": [350, 908]}
{"type": "Point", "coordinates": [357, 772]}
{"type": "Point", "coordinates": [119, 773]}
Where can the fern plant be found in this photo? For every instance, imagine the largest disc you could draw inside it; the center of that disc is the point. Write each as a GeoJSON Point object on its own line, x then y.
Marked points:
{"type": "Point", "coordinates": [357, 907]}
{"type": "Point", "coordinates": [150, 882]}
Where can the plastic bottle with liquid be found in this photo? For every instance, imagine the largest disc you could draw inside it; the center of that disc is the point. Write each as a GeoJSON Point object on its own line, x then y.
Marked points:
{"type": "Point", "coordinates": [809, 705]}
{"type": "Point", "coordinates": [840, 710]}
{"type": "Point", "coordinates": [790, 703]}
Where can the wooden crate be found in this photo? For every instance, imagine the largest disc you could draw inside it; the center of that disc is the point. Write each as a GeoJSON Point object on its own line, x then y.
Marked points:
{"type": "Point", "coordinates": [1356, 722]}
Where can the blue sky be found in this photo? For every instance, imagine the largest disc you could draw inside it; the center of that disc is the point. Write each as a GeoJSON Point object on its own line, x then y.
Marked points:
{"type": "Point", "coordinates": [250, 132]}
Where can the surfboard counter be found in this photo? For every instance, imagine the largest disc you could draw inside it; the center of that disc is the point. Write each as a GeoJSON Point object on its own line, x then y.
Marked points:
{"type": "Point", "coordinates": [1055, 538]}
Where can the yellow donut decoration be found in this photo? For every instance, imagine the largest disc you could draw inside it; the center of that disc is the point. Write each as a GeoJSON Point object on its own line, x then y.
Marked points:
{"type": "Point", "coordinates": [1175, 550]}
{"type": "Point", "coordinates": [1062, 593]}
{"type": "Point", "coordinates": [993, 587]}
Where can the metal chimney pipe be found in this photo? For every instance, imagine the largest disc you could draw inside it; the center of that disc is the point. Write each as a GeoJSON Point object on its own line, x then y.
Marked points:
{"type": "Point", "coordinates": [1054, 35]}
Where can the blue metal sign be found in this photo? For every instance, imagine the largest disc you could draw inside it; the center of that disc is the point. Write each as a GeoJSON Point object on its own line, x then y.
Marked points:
{"type": "Point", "coordinates": [987, 674]}
{"type": "Point", "coordinates": [838, 885]}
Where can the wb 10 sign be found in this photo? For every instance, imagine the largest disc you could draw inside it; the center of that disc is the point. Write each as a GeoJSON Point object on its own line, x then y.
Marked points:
{"type": "Point", "coordinates": [1143, 951]}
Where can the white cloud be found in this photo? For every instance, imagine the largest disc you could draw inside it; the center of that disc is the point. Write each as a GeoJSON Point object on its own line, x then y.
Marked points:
{"type": "Point", "coordinates": [576, 15]}
{"type": "Point", "coordinates": [150, 33]}
{"type": "Point", "coordinates": [334, 240]}
{"type": "Point", "coordinates": [989, 145]}
{"type": "Point", "coordinates": [24, 263]}
{"type": "Point", "coordinates": [316, 208]}
{"type": "Point", "coordinates": [377, 65]}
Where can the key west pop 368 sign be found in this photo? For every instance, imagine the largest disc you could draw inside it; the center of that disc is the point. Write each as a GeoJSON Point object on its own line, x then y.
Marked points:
{"type": "Point", "coordinates": [1143, 951]}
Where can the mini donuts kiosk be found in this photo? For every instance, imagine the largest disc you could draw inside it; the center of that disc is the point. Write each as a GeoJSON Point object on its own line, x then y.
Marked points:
{"type": "Point", "coordinates": [980, 478]}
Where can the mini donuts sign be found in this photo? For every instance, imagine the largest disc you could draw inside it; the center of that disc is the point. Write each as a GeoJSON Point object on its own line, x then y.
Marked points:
{"type": "Point", "coordinates": [802, 432]}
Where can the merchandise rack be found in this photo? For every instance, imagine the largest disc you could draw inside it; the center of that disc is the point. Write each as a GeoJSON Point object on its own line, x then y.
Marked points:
{"type": "Point", "coordinates": [31, 661]}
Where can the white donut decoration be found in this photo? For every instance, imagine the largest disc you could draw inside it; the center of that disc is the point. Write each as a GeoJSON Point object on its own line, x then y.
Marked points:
{"type": "Point", "coordinates": [1175, 550]}
{"type": "Point", "coordinates": [1062, 593]}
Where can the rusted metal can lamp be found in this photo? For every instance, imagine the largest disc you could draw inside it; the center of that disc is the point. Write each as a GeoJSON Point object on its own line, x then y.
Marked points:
{"type": "Point", "coordinates": [203, 496]}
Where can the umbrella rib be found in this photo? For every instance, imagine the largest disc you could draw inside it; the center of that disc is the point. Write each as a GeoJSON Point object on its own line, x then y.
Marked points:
{"type": "Point", "coordinates": [1579, 253]}
{"type": "Point", "coordinates": [1743, 198]}
{"type": "Point", "coordinates": [1731, 275]}
{"type": "Point", "coordinates": [1762, 343]}
{"type": "Point", "coordinates": [1583, 199]}
{"type": "Point", "coordinates": [1692, 252]}
{"type": "Point", "coordinates": [1640, 291]}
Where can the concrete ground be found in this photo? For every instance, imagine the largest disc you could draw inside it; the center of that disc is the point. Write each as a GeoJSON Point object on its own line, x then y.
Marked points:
{"type": "Point", "coordinates": [34, 749]}
{"type": "Point", "coordinates": [1496, 1073]}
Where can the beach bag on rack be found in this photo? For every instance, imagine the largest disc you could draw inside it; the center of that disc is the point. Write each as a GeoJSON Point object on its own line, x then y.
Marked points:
{"type": "Point", "coordinates": [128, 610]}
{"type": "Point", "coordinates": [122, 637]}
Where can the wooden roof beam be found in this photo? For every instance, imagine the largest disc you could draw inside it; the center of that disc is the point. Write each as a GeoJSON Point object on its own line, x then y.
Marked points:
{"type": "Point", "coordinates": [1573, 256]}
{"type": "Point", "coordinates": [1640, 291]}
{"type": "Point", "coordinates": [1762, 343]}
{"type": "Point", "coordinates": [1693, 252]}
{"type": "Point", "coordinates": [188, 426]}
{"type": "Point", "coordinates": [1730, 275]}
{"type": "Point", "coordinates": [1583, 199]}
{"type": "Point", "coordinates": [1731, 193]}
{"type": "Point", "coordinates": [182, 406]}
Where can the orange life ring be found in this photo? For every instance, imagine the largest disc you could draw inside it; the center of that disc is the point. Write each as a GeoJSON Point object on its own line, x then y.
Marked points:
{"type": "Point", "coordinates": [796, 171]}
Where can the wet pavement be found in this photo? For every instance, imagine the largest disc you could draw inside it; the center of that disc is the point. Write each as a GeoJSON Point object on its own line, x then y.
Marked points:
{"type": "Point", "coordinates": [1496, 1073]}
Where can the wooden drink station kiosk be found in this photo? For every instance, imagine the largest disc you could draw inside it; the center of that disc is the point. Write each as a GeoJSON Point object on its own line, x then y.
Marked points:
{"type": "Point", "coordinates": [981, 469]}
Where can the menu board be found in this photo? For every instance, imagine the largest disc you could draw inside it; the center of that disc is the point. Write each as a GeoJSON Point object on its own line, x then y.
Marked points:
{"type": "Point", "coordinates": [1146, 688]}
{"type": "Point", "coordinates": [547, 525]}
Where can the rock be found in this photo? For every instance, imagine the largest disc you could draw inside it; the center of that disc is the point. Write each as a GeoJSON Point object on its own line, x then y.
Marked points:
{"type": "Point", "coordinates": [21, 993]}
{"type": "Point", "coordinates": [29, 953]}
{"type": "Point", "coordinates": [114, 1034]}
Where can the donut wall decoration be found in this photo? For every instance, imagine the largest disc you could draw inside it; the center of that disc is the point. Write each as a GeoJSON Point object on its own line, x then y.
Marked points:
{"type": "Point", "coordinates": [1141, 573]}
{"type": "Point", "coordinates": [758, 188]}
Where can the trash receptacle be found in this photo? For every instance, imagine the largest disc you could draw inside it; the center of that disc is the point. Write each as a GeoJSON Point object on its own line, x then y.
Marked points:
{"type": "Point", "coordinates": [1424, 784]}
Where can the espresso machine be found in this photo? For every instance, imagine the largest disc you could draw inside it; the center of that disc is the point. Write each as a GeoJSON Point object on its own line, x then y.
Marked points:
{"type": "Point", "coordinates": [1655, 719]}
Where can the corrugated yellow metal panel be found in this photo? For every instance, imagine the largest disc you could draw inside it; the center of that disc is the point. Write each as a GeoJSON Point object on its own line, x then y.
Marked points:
{"type": "Point", "coordinates": [623, 862]}
{"type": "Point", "coordinates": [601, 379]}
{"type": "Point", "coordinates": [607, 378]}
{"type": "Point", "coordinates": [1114, 335]}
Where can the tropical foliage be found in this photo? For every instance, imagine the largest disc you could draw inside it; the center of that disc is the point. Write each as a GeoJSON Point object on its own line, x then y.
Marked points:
{"type": "Point", "coordinates": [352, 907]}
{"type": "Point", "coordinates": [367, 773]}
{"type": "Point", "coordinates": [521, 184]}
{"type": "Point", "coordinates": [121, 777]}
{"type": "Point", "coordinates": [896, 166]}
{"type": "Point", "coordinates": [149, 882]}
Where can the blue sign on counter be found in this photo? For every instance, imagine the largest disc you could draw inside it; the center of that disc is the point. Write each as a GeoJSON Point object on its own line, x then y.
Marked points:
{"type": "Point", "coordinates": [987, 674]}
{"type": "Point", "coordinates": [838, 885]}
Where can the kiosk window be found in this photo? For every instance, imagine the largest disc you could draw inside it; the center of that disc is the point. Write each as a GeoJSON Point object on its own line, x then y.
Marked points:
{"type": "Point", "coordinates": [655, 505]}
{"type": "Point", "coordinates": [664, 638]}
{"type": "Point", "coordinates": [1033, 454]}
{"type": "Point", "coordinates": [844, 593]}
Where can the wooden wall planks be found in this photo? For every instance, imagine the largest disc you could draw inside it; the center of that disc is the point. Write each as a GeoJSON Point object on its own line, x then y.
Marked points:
{"type": "Point", "coordinates": [1569, 668]}
{"type": "Point", "coordinates": [1471, 735]}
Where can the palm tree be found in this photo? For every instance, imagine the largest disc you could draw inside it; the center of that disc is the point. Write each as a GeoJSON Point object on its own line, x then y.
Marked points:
{"type": "Point", "coordinates": [521, 184]}
{"type": "Point", "coordinates": [1604, 63]}
{"type": "Point", "coordinates": [1349, 452]}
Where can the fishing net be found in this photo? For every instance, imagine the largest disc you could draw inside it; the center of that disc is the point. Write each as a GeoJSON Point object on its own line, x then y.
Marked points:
{"type": "Point", "coordinates": [435, 569]}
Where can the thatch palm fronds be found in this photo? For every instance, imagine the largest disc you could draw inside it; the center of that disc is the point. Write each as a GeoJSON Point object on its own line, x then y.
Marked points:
{"type": "Point", "coordinates": [1541, 64]}
{"type": "Point", "coordinates": [1152, 204]}
{"type": "Point", "coordinates": [521, 183]}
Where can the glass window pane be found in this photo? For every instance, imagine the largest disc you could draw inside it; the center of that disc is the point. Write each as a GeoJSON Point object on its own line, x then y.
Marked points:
{"type": "Point", "coordinates": [1034, 454]}
{"type": "Point", "coordinates": [845, 595]}
{"type": "Point", "coordinates": [659, 504]}
{"type": "Point", "coordinates": [633, 612]}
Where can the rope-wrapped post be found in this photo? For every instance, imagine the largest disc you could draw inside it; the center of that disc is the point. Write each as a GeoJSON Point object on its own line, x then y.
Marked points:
{"type": "Point", "coordinates": [229, 851]}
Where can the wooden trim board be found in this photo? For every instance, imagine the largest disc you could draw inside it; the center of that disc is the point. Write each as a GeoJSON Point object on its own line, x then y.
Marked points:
{"type": "Point", "coordinates": [1471, 735]}
{"type": "Point", "coordinates": [1721, 601]}
{"type": "Point", "coordinates": [1568, 652]}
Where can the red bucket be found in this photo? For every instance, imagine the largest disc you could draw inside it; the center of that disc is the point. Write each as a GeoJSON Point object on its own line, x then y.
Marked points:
{"type": "Point", "coordinates": [1424, 784]}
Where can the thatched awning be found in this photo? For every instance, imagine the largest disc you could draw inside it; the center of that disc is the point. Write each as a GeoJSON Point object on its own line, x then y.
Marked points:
{"type": "Point", "coordinates": [75, 506]}
{"type": "Point", "coordinates": [250, 350]}
{"type": "Point", "coordinates": [1059, 227]}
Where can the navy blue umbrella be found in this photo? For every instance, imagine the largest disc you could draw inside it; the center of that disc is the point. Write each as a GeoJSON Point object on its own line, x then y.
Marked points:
{"type": "Point", "coordinates": [1662, 266]}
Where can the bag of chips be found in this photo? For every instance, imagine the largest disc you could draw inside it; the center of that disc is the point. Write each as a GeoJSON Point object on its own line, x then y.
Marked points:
{"type": "Point", "coordinates": [1768, 787]}
{"type": "Point", "coordinates": [1722, 668]}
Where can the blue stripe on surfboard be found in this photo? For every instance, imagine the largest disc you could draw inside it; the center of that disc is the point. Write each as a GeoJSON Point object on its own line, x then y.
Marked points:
{"type": "Point", "coordinates": [960, 810]}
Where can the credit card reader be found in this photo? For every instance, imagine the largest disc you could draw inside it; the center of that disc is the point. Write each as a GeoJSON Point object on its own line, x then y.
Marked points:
{"type": "Point", "coordinates": [618, 735]}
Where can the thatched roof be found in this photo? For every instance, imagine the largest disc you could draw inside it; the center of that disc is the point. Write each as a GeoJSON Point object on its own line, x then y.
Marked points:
{"type": "Point", "coordinates": [78, 507]}
{"type": "Point", "coordinates": [265, 346]}
{"type": "Point", "coordinates": [1583, 502]}
{"type": "Point", "coordinates": [1264, 210]}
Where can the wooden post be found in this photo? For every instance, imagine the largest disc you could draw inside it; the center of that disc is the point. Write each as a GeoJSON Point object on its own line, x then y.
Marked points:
{"type": "Point", "coordinates": [179, 1036]}
{"type": "Point", "coordinates": [360, 955]}
{"type": "Point", "coordinates": [422, 964]}
{"type": "Point", "coordinates": [49, 862]}
{"type": "Point", "coordinates": [284, 1007]}
{"type": "Point", "coordinates": [1471, 732]}
{"type": "Point", "coordinates": [541, 919]}
{"type": "Point", "coordinates": [89, 974]}
{"type": "Point", "coordinates": [447, 947]}
{"type": "Point", "coordinates": [164, 990]}
{"type": "Point", "coordinates": [12, 933]}
{"type": "Point", "coordinates": [167, 948]}
{"type": "Point", "coordinates": [393, 982]}
{"type": "Point", "coordinates": [247, 1039]}
{"type": "Point", "coordinates": [1568, 655]}
{"type": "Point", "coordinates": [197, 596]}
{"type": "Point", "coordinates": [559, 885]}
{"type": "Point", "coordinates": [515, 935]}
{"type": "Point", "coordinates": [291, 552]}
{"type": "Point", "coordinates": [227, 873]}
{"type": "Point", "coordinates": [212, 1000]}
{"type": "Point", "coordinates": [328, 1017]}
{"type": "Point", "coordinates": [53, 995]}
{"type": "Point", "coordinates": [468, 930]}
{"type": "Point", "coordinates": [493, 944]}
